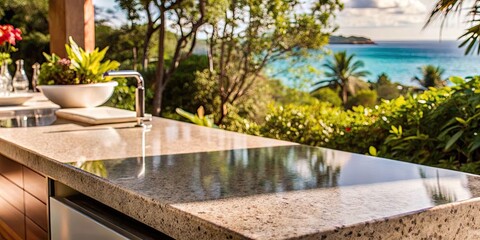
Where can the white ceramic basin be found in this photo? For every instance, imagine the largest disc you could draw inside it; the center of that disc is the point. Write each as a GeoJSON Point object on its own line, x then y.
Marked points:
{"type": "Point", "coordinates": [79, 96]}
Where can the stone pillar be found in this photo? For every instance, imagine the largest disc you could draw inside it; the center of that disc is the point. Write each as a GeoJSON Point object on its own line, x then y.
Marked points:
{"type": "Point", "coordinates": [71, 18]}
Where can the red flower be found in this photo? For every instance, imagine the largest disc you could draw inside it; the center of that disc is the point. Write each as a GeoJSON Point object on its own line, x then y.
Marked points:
{"type": "Point", "coordinates": [17, 33]}
{"type": "Point", "coordinates": [9, 34]}
{"type": "Point", "coordinates": [348, 129]}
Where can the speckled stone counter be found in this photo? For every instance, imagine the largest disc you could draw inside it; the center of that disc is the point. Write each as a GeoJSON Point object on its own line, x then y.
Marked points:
{"type": "Point", "coordinates": [192, 182]}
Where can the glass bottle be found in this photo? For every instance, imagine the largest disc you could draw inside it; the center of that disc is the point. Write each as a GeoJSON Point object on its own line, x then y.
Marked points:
{"type": "Point", "coordinates": [20, 80]}
{"type": "Point", "coordinates": [6, 77]}
{"type": "Point", "coordinates": [3, 82]}
{"type": "Point", "coordinates": [36, 72]}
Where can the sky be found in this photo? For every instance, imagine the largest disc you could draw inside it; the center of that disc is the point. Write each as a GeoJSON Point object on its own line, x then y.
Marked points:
{"type": "Point", "coordinates": [394, 20]}
{"type": "Point", "coordinates": [380, 20]}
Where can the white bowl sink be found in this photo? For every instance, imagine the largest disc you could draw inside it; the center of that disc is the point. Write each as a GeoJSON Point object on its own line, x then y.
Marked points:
{"type": "Point", "coordinates": [12, 99]}
{"type": "Point", "coordinates": [79, 96]}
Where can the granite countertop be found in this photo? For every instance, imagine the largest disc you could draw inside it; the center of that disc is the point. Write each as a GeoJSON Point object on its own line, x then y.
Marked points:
{"type": "Point", "coordinates": [192, 182]}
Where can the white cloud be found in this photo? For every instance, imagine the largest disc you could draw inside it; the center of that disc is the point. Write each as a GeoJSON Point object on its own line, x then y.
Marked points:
{"type": "Point", "coordinates": [393, 20]}
{"type": "Point", "coordinates": [382, 13]}
{"type": "Point", "coordinates": [400, 6]}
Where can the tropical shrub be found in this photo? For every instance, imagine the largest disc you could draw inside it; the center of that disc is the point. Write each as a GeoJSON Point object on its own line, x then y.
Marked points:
{"type": "Point", "coordinates": [446, 130]}
{"type": "Point", "coordinates": [328, 95]}
{"type": "Point", "coordinates": [366, 98]}
{"type": "Point", "coordinates": [438, 127]}
{"type": "Point", "coordinates": [321, 125]}
{"type": "Point", "coordinates": [386, 89]}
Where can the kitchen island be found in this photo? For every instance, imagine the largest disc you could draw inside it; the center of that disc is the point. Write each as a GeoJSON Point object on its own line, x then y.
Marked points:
{"type": "Point", "coordinates": [192, 182]}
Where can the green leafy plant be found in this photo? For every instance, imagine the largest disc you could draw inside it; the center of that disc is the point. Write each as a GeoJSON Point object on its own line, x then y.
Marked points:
{"type": "Point", "coordinates": [80, 67]}
{"type": "Point", "coordinates": [438, 127]}
{"type": "Point", "coordinates": [200, 118]}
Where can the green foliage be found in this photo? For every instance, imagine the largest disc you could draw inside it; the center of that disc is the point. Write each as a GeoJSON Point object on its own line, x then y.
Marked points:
{"type": "Point", "coordinates": [343, 73]}
{"type": "Point", "coordinates": [190, 89]}
{"type": "Point", "coordinates": [328, 95]}
{"type": "Point", "coordinates": [123, 96]}
{"type": "Point", "coordinates": [32, 18]}
{"type": "Point", "coordinates": [446, 8]}
{"type": "Point", "coordinates": [81, 67]}
{"type": "Point", "coordinates": [366, 98]}
{"type": "Point", "coordinates": [283, 95]}
{"type": "Point", "coordinates": [321, 125]}
{"type": "Point", "coordinates": [438, 127]}
{"type": "Point", "coordinates": [200, 118]}
{"type": "Point", "coordinates": [431, 77]}
{"type": "Point", "coordinates": [248, 35]}
{"type": "Point", "coordinates": [126, 44]}
{"type": "Point", "coordinates": [386, 89]}
{"type": "Point", "coordinates": [54, 70]}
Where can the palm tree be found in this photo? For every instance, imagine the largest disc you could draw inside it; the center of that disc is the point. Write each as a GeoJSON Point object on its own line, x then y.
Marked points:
{"type": "Point", "coordinates": [445, 8]}
{"type": "Point", "coordinates": [344, 73]}
{"type": "Point", "coordinates": [431, 77]}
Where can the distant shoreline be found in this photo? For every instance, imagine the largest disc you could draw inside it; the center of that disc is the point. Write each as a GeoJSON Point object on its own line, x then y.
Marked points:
{"type": "Point", "coordinates": [354, 43]}
{"type": "Point", "coordinates": [351, 40]}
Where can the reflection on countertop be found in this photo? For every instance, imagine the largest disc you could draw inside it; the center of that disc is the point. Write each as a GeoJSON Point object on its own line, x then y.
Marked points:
{"type": "Point", "coordinates": [27, 118]}
{"type": "Point", "coordinates": [71, 142]}
{"type": "Point", "coordinates": [270, 186]}
{"type": "Point", "coordinates": [37, 111]}
{"type": "Point", "coordinates": [216, 175]}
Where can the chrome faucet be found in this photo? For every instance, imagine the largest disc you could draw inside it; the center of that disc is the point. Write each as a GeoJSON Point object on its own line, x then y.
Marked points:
{"type": "Point", "coordinates": [139, 92]}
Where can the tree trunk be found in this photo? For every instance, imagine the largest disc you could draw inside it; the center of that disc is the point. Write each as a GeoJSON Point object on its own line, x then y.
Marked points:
{"type": "Point", "coordinates": [134, 51]}
{"type": "Point", "coordinates": [146, 43]}
{"type": "Point", "coordinates": [344, 94]}
{"type": "Point", "coordinates": [223, 112]}
{"type": "Point", "coordinates": [160, 75]}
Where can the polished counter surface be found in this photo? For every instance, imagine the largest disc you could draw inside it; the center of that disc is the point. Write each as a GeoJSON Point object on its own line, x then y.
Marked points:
{"type": "Point", "coordinates": [195, 182]}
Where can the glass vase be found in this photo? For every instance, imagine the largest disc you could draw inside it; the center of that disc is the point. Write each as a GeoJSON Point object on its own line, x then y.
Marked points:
{"type": "Point", "coordinates": [5, 79]}
{"type": "Point", "coordinates": [20, 80]}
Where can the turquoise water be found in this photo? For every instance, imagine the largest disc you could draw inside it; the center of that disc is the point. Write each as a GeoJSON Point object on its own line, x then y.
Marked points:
{"type": "Point", "coordinates": [400, 60]}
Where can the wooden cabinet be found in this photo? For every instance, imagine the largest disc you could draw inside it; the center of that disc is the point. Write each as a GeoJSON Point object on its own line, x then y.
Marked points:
{"type": "Point", "coordinates": [23, 202]}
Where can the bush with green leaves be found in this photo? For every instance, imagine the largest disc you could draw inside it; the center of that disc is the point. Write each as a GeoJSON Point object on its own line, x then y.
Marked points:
{"type": "Point", "coordinates": [321, 125]}
{"type": "Point", "coordinates": [328, 95]}
{"type": "Point", "coordinates": [438, 127]}
{"type": "Point", "coordinates": [442, 129]}
{"type": "Point", "coordinates": [366, 98]}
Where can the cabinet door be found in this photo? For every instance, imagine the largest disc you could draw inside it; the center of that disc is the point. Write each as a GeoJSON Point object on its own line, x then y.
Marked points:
{"type": "Point", "coordinates": [12, 219]}
{"type": "Point", "coordinates": [11, 193]}
{"type": "Point", "coordinates": [36, 211]}
{"type": "Point", "coordinates": [35, 184]}
{"type": "Point", "coordinates": [11, 170]}
{"type": "Point", "coordinates": [33, 231]}
{"type": "Point", "coordinates": [23, 198]}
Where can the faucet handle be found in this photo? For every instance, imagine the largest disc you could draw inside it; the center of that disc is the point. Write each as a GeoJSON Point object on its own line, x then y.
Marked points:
{"type": "Point", "coordinates": [139, 92]}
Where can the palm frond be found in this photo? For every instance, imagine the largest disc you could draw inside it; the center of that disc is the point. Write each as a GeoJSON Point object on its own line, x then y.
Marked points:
{"type": "Point", "coordinates": [471, 37]}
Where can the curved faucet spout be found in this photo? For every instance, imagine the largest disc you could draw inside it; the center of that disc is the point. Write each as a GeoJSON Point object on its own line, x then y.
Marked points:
{"type": "Point", "coordinates": [139, 92]}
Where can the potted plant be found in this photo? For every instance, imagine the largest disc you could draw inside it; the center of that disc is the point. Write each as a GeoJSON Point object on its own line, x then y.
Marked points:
{"type": "Point", "coordinates": [77, 81]}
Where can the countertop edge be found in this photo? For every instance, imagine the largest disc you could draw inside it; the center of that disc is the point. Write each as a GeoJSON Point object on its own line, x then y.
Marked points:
{"type": "Point", "coordinates": [448, 218]}
{"type": "Point", "coordinates": [166, 219]}
{"type": "Point", "coordinates": [458, 220]}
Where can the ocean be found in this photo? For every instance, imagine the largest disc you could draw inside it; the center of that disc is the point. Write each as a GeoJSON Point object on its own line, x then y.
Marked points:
{"type": "Point", "coordinates": [399, 60]}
